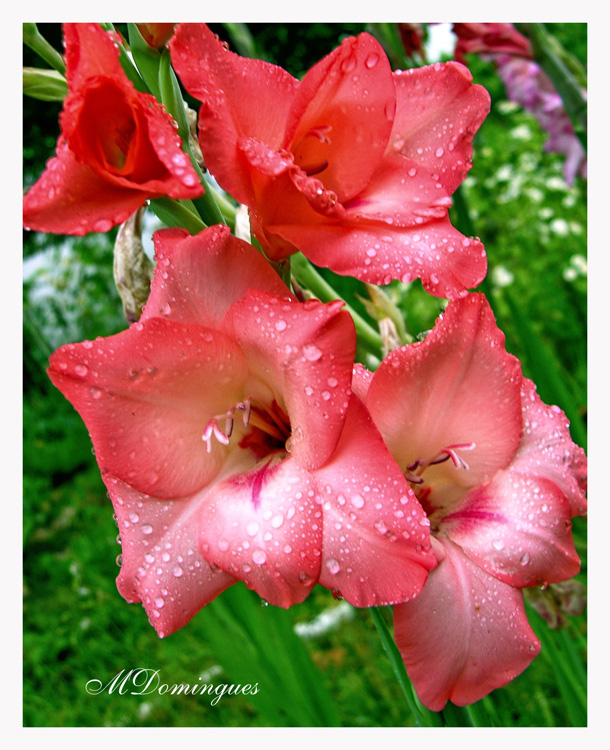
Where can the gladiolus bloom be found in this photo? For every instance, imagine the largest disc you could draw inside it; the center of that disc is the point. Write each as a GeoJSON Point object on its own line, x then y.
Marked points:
{"type": "Point", "coordinates": [118, 147]}
{"type": "Point", "coordinates": [231, 444]}
{"type": "Point", "coordinates": [354, 165]}
{"type": "Point", "coordinates": [500, 479]}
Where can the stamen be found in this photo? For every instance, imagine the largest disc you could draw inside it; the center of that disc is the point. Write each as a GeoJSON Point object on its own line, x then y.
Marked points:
{"type": "Point", "coordinates": [320, 133]}
{"type": "Point", "coordinates": [416, 469]}
{"type": "Point", "coordinates": [316, 168]}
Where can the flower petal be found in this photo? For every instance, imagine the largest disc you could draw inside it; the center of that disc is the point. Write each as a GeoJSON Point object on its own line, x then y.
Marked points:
{"type": "Point", "coordinates": [181, 291]}
{"type": "Point", "coordinates": [465, 635]}
{"type": "Point", "coordinates": [376, 547]}
{"type": "Point", "coordinates": [146, 395]}
{"type": "Point", "coordinates": [517, 527]}
{"type": "Point", "coordinates": [547, 450]}
{"type": "Point", "coordinates": [437, 114]}
{"type": "Point", "coordinates": [161, 565]}
{"type": "Point", "coordinates": [304, 352]}
{"type": "Point", "coordinates": [70, 198]}
{"type": "Point", "coordinates": [456, 388]}
{"type": "Point", "coordinates": [341, 116]}
{"type": "Point", "coordinates": [240, 97]}
{"type": "Point", "coordinates": [263, 525]}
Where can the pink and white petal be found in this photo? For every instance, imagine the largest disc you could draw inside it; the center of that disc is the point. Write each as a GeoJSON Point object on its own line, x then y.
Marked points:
{"type": "Point", "coordinates": [262, 525]}
{"type": "Point", "coordinates": [161, 565]}
{"type": "Point", "coordinates": [146, 395]}
{"type": "Point", "coordinates": [304, 353]}
{"type": "Point", "coordinates": [376, 548]}
{"type": "Point", "coordinates": [516, 527]}
{"type": "Point", "coordinates": [447, 262]}
{"type": "Point", "coordinates": [341, 116]}
{"type": "Point", "coordinates": [438, 111]}
{"type": "Point", "coordinates": [239, 96]}
{"type": "Point", "coordinates": [547, 449]}
{"type": "Point", "coordinates": [402, 194]}
{"type": "Point", "coordinates": [456, 388]}
{"type": "Point", "coordinates": [182, 292]}
{"type": "Point", "coordinates": [465, 635]}
{"type": "Point", "coordinates": [70, 198]}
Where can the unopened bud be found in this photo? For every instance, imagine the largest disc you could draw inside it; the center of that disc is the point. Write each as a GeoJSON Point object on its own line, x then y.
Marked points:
{"type": "Point", "coordinates": [133, 269]}
{"type": "Point", "coordinates": [558, 601]}
{"type": "Point", "coordinates": [156, 35]}
{"type": "Point", "coordinates": [47, 85]}
{"type": "Point", "coordinates": [381, 307]}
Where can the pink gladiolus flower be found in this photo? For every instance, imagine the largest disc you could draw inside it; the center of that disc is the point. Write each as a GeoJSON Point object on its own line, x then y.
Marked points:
{"type": "Point", "coordinates": [117, 147]}
{"type": "Point", "coordinates": [231, 445]}
{"type": "Point", "coordinates": [490, 39]}
{"type": "Point", "coordinates": [354, 165]}
{"type": "Point", "coordinates": [500, 479]}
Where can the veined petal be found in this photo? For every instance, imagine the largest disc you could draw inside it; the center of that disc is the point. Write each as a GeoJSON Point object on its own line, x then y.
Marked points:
{"type": "Point", "coordinates": [182, 292]}
{"type": "Point", "coordinates": [146, 395]}
{"type": "Point", "coordinates": [458, 388]}
{"type": "Point", "coordinates": [516, 527]}
{"type": "Point", "coordinates": [262, 524]}
{"type": "Point", "coordinates": [465, 635]}
{"type": "Point", "coordinates": [376, 547]}
{"type": "Point", "coordinates": [161, 565]}
{"type": "Point", "coordinates": [438, 111]}
{"type": "Point", "coordinates": [341, 116]}
{"type": "Point", "coordinates": [304, 352]}
{"type": "Point", "coordinates": [239, 96]}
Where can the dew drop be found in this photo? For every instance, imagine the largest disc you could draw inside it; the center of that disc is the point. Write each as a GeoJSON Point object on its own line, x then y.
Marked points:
{"type": "Point", "coordinates": [333, 566]}
{"type": "Point", "coordinates": [259, 557]}
{"type": "Point", "coordinates": [147, 529]}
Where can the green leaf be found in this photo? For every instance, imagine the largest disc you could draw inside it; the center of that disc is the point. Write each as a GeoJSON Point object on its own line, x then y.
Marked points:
{"type": "Point", "coordinates": [146, 58]}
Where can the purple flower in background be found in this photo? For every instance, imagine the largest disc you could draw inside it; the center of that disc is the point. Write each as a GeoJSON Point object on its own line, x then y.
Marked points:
{"type": "Point", "coordinates": [526, 84]}
{"type": "Point", "coordinates": [530, 87]}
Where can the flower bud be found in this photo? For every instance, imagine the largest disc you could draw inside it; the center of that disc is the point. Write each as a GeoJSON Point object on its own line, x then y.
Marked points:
{"type": "Point", "coordinates": [133, 270]}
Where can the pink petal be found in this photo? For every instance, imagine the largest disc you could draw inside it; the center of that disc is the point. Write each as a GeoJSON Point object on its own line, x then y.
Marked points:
{"type": "Point", "coordinates": [263, 525]}
{"type": "Point", "coordinates": [456, 388]}
{"type": "Point", "coordinates": [161, 565]}
{"type": "Point", "coordinates": [240, 97]}
{"type": "Point", "coordinates": [374, 251]}
{"type": "Point", "coordinates": [465, 635]}
{"type": "Point", "coordinates": [437, 114]}
{"type": "Point", "coordinates": [517, 527]}
{"type": "Point", "coordinates": [69, 198]}
{"type": "Point", "coordinates": [182, 292]}
{"type": "Point", "coordinates": [341, 116]}
{"type": "Point", "coordinates": [146, 395]}
{"type": "Point", "coordinates": [303, 352]}
{"type": "Point", "coordinates": [547, 450]}
{"type": "Point", "coordinates": [376, 547]}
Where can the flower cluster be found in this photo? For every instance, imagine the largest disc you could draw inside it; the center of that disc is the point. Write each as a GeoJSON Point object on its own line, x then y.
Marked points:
{"type": "Point", "coordinates": [236, 436]}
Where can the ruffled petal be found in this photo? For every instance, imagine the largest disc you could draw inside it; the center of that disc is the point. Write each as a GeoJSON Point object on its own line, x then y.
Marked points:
{"type": "Point", "coordinates": [374, 251]}
{"type": "Point", "coordinates": [438, 111]}
{"type": "Point", "coordinates": [376, 547]}
{"type": "Point", "coordinates": [465, 635]}
{"type": "Point", "coordinates": [457, 388]}
{"type": "Point", "coordinates": [181, 291]}
{"type": "Point", "coordinates": [341, 116]}
{"type": "Point", "coordinates": [547, 450]}
{"type": "Point", "coordinates": [161, 565]}
{"type": "Point", "coordinates": [263, 526]}
{"type": "Point", "coordinates": [304, 353]}
{"type": "Point", "coordinates": [239, 96]}
{"type": "Point", "coordinates": [70, 198]}
{"type": "Point", "coordinates": [146, 395]}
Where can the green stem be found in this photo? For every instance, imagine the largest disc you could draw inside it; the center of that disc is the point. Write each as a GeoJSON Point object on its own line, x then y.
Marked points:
{"type": "Point", "coordinates": [551, 57]}
{"type": "Point", "coordinates": [35, 41]}
{"type": "Point", "coordinates": [423, 717]}
{"type": "Point", "coordinates": [310, 278]}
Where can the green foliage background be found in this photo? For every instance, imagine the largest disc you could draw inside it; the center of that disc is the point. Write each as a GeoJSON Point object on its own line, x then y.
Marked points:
{"type": "Point", "coordinates": [77, 627]}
